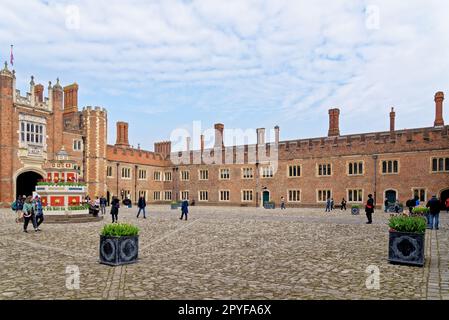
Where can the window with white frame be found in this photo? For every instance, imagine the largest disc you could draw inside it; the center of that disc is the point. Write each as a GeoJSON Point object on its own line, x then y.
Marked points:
{"type": "Point", "coordinates": [324, 169]}
{"type": "Point", "coordinates": [224, 174]}
{"type": "Point", "coordinates": [126, 173]}
{"type": "Point", "coordinates": [355, 168]}
{"type": "Point", "coordinates": [167, 176]}
{"type": "Point", "coordinates": [77, 145]}
{"type": "Point", "coordinates": [185, 175]}
{"type": "Point", "coordinates": [203, 195]}
{"type": "Point", "coordinates": [247, 195]}
{"type": "Point", "coordinates": [294, 195]}
{"type": "Point", "coordinates": [224, 195]}
{"type": "Point", "coordinates": [355, 195]}
{"type": "Point", "coordinates": [323, 195]}
{"type": "Point", "coordinates": [390, 166]}
{"type": "Point", "coordinates": [142, 174]}
{"type": "Point", "coordinates": [156, 195]}
{"type": "Point", "coordinates": [203, 174]}
{"type": "Point", "coordinates": [440, 164]}
{"type": "Point", "coordinates": [267, 172]}
{"type": "Point", "coordinates": [247, 173]}
{"type": "Point", "coordinates": [294, 170]}
{"type": "Point", "coordinates": [32, 133]}
{"type": "Point", "coordinates": [419, 193]}
{"type": "Point", "coordinates": [185, 195]}
{"type": "Point", "coordinates": [109, 171]}
{"type": "Point", "coordinates": [167, 195]}
{"type": "Point", "coordinates": [157, 176]}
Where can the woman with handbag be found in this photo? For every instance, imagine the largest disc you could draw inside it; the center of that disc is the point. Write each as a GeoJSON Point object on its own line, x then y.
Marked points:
{"type": "Point", "coordinates": [28, 214]}
{"type": "Point", "coordinates": [115, 204]}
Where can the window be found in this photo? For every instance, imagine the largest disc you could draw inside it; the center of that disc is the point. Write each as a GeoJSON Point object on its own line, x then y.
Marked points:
{"type": "Point", "coordinates": [185, 195]}
{"type": "Point", "coordinates": [324, 169]}
{"type": "Point", "coordinates": [247, 173]}
{"type": "Point", "coordinates": [294, 170]}
{"type": "Point", "coordinates": [224, 174]}
{"type": "Point", "coordinates": [355, 168]}
{"type": "Point", "coordinates": [247, 195]}
{"type": "Point", "coordinates": [355, 195]}
{"type": "Point", "coordinates": [142, 174]}
{"type": "Point", "coordinates": [323, 195]}
{"type": "Point", "coordinates": [157, 176]}
{"type": "Point", "coordinates": [390, 166]}
{"type": "Point", "coordinates": [224, 195]}
{"type": "Point", "coordinates": [203, 195]}
{"type": "Point", "coordinates": [31, 132]}
{"type": "Point", "coordinates": [167, 195]}
{"type": "Point", "coordinates": [77, 145]}
{"type": "Point", "coordinates": [440, 164]}
{"type": "Point", "coordinates": [267, 172]}
{"type": "Point", "coordinates": [109, 171]}
{"type": "Point", "coordinates": [185, 175]}
{"type": "Point", "coordinates": [156, 195]}
{"type": "Point", "coordinates": [294, 195]}
{"type": "Point", "coordinates": [126, 173]}
{"type": "Point", "coordinates": [203, 175]}
{"type": "Point", "coordinates": [167, 176]}
{"type": "Point", "coordinates": [420, 193]}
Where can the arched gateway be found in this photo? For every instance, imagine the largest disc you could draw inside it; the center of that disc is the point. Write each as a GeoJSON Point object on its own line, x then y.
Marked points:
{"type": "Point", "coordinates": [26, 183]}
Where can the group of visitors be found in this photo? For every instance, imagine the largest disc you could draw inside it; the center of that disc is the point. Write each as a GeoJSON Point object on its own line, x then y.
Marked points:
{"type": "Point", "coordinates": [30, 209]}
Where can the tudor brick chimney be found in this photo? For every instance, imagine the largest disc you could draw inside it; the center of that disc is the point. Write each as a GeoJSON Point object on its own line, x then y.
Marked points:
{"type": "Point", "coordinates": [71, 98]}
{"type": "Point", "coordinates": [392, 119]}
{"type": "Point", "coordinates": [260, 136]}
{"type": "Point", "coordinates": [276, 134]}
{"type": "Point", "coordinates": [334, 126]}
{"type": "Point", "coordinates": [439, 121]}
{"type": "Point", "coordinates": [122, 134]}
{"type": "Point", "coordinates": [202, 143]}
{"type": "Point", "coordinates": [219, 130]}
{"type": "Point", "coordinates": [39, 92]}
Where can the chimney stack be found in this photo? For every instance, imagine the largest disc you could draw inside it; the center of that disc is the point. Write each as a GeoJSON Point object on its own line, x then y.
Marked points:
{"type": "Point", "coordinates": [219, 129]}
{"type": "Point", "coordinates": [202, 143]}
{"type": "Point", "coordinates": [163, 147]}
{"type": "Point", "coordinates": [39, 92]}
{"type": "Point", "coordinates": [392, 119]}
{"type": "Point", "coordinates": [276, 134]}
{"type": "Point", "coordinates": [188, 144]}
{"type": "Point", "coordinates": [334, 126]}
{"type": "Point", "coordinates": [260, 136]}
{"type": "Point", "coordinates": [439, 121]}
{"type": "Point", "coordinates": [122, 134]}
{"type": "Point", "coordinates": [71, 98]}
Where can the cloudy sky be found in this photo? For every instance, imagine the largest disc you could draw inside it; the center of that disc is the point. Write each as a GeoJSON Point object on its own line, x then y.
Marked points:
{"type": "Point", "coordinates": [161, 65]}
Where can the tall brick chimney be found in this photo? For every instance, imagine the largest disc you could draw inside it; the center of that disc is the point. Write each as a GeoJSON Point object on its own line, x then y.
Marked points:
{"type": "Point", "coordinates": [392, 118]}
{"type": "Point", "coordinates": [163, 147]}
{"type": "Point", "coordinates": [334, 126]}
{"type": "Point", "coordinates": [276, 134]}
{"type": "Point", "coordinates": [122, 134]}
{"type": "Point", "coordinates": [439, 121]}
{"type": "Point", "coordinates": [71, 98]}
{"type": "Point", "coordinates": [188, 141]}
{"type": "Point", "coordinates": [39, 92]}
{"type": "Point", "coordinates": [202, 143]}
{"type": "Point", "coordinates": [260, 136]}
{"type": "Point", "coordinates": [219, 130]}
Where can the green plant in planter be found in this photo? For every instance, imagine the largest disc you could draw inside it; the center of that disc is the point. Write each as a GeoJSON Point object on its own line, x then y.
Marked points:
{"type": "Point", "coordinates": [356, 206]}
{"type": "Point", "coordinates": [405, 223]}
{"type": "Point", "coordinates": [119, 230]}
{"type": "Point", "coordinates": [420, 211]}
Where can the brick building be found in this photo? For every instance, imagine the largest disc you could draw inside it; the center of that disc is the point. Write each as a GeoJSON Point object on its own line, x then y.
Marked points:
{"type": "Point", "coordinates": [395, 164]}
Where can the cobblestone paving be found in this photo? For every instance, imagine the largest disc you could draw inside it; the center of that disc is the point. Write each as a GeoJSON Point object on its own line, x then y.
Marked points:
{"type": "Point", "coordinates": [222, 253]}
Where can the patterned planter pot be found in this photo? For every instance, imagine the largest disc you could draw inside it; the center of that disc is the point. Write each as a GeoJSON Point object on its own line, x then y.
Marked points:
{"type": "Point", "coordinates": [115, 251]}
{"type": "Point", "coordinates": [355, 211]}
{"type": "Point", "coordinates": [406, 248]}
{"type": "Point", "coordinates": [175, 206]}
{"type": "Point", "coordinates": [268, 205]}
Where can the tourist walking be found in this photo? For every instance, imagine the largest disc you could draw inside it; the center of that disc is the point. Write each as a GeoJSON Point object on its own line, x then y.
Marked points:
{"type": "Point", "coordinates": [141, 204]}
{"type": "Point", "coordinates": [115, 205]}
{"type": "Point", "coordinates": [434, 212]}
{"type": "Point", "coordinates": [18, 206]}
{"type": "Point", "coordinates": [332, 204]}
{"type": "Point", "coordinates": [328, 205]}
{"type": "Point", "coordinates": [28, 214]}
{"type": "Point", "coordinates": [184, 209]}
{"type": "Point", "coordinates": [343, 204]}
{"type": "Point", "coordinates": [369, 209]}
{"type": "Point", "coordinates": [447, 205]}
{"type": "Point", "coordinates": [396, 206]}
{"type": "Point", "coordinates": [386, 205]}
{"type": "Point", "coordinates": [38, 213]}
{"type": "Point", "coordinates": [282, 203]}
{"type": "Point", "coordinates": [103, 205]}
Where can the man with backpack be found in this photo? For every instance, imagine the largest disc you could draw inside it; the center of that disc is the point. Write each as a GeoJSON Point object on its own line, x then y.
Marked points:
{"type": "Point", "coordinates": [141, 204]}
{"type": "Point", "coordinates": [38, 213]}
{"type": "Point", "coordinates": [17, 206]}
{"type": "Point", "coordinates": [434, 212]}
{"type": "Point", "coordinates": [28, 214]}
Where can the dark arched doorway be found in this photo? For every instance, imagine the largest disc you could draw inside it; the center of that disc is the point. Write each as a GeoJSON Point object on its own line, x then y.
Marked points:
{"type": "Point", "coordinates": [391, 196]}
{"type": "Point", "coordinates": [26, 183]}
{"type": "Point", "coordinates": [443, 196]}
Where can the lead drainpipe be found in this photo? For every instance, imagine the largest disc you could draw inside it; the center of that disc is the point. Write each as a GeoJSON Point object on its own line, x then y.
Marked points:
{"type": "Point", "coordinates": [375, 179]}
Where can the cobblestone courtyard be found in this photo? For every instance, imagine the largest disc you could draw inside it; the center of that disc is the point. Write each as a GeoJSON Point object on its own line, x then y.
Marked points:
{"type": "Point", "coordinates": [222, 253]}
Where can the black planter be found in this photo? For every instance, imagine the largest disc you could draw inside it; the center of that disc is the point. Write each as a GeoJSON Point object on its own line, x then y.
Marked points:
{"type": "Point", "coordinates": [175, 206]}
{"type": "Point", "coordinates": [355, 211]}
{"type": "Point", "coordinates": [406, 248]}
{"type": "Point", "coordinates": [268, 205]}
{"type": "Point", "coordinates": [115, 251]}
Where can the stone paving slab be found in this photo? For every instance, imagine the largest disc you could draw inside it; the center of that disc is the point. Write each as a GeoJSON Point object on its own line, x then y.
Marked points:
{"type": "Point", "coordinates": [222, 253]}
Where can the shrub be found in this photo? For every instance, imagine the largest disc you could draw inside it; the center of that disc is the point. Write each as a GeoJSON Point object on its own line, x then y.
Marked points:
{"type": "Point", "coordinates": [420, 211]}
{"type": "Point", "coordinates": [119, 230]}
{"type": "Point", "coordinates": [404, 223]}
{"type": "Point", "coordinates": [356, 206]}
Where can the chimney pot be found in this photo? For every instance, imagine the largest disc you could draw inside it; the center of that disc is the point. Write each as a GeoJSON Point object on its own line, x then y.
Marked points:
{"type": "Point", "coordinates": [334, 126]}
{"type": "Point", "coordinates": [439, 97]}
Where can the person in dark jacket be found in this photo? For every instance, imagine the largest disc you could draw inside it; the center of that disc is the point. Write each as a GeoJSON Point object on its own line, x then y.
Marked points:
{"type": "Point", "coordinates": [141, 204]}
{"type": "Point", "coordinates": [369, 209]}
{"type": "Point", "coordinates": [115, 205]}
{"type": "Point", "coordinates": [184, 209]}
{"type": "Point", "coordinates": [386, 203]}
{"type": "Point", "coordinates": [38, 213]}
{"type": "Point", "coordinates": [103, 202]}
{"type": "Point", "coordinates": [343, 204]}
{"type": "Point", "coordinates": [19, 207]}
{"type": "Point", "coordinates": [434, 215]}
